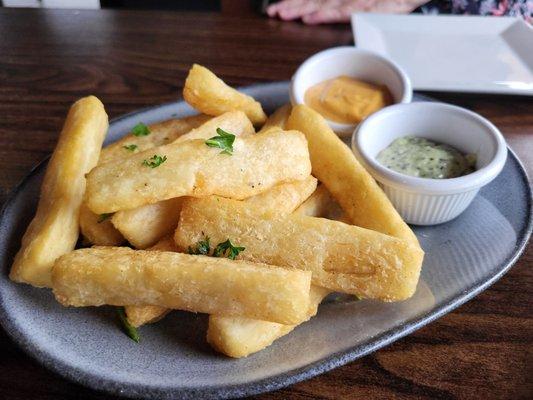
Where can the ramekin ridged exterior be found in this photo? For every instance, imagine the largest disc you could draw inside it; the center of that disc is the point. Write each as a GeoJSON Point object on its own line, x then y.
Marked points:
{"type": "Point", "coordinates": [428, 209]}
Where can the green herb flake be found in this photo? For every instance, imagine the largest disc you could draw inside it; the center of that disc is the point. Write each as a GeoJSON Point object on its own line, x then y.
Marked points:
{"type": "Point", "coordinates": [223, 141]}
{"type": "Point", "coordinates": [128, 329]}
{"type": "Point", "coordinates": [227, 249]}
{"type": "Point", "coordinates": [203, 247]}
{"type": "Point", "coordinates": [140, 130]}
{"type": "Point", "coordinates": [104, 217]}
{"type": "Point", "coordinates": [155, 161]}
{"type": "Point", "coordinates": [131, 147]}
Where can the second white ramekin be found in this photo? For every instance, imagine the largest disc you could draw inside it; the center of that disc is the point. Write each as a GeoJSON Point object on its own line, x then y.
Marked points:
{"type": "Point", "coordinates": [348, 60]}
{"type": "Point", "coordinates": [423, 201]}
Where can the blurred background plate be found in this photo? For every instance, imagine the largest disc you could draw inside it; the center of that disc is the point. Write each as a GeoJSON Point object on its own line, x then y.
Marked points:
{"type": "Point", "coordinates": [173, 360]}
{"type": "Point", "coordinates": [453, 53]}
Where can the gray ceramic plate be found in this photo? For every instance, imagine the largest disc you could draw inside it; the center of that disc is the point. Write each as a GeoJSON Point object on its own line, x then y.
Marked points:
{"type": "Point", "coordinates": [173, 360]}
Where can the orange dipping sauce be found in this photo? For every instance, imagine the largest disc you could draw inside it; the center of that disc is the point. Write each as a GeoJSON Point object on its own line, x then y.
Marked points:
{"type": "Point", "coordinates": [347, 100]}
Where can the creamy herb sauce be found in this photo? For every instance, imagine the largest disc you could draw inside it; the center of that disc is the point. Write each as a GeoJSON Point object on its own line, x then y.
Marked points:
{"type": "Point", "coordinates": [415, 156]}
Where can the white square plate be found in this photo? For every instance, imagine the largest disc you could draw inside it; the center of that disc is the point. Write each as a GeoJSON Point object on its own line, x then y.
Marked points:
{"type": "Point", "coordinates": [453, 53]}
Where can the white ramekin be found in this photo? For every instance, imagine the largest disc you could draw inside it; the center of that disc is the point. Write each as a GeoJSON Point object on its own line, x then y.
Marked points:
{"type": "Point", "coordinates": [354, 62]}
{"type": "Point", "coordinates": [423, 201]}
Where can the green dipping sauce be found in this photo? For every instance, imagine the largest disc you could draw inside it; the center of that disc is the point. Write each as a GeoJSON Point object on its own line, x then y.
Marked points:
{"type": "Point", "coordinates": [416, 156]}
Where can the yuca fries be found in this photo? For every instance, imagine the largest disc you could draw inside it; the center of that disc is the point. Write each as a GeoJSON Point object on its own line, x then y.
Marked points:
{"type": "Point", "coordinates": [98, 229]}
{"type": "Point", "coordinates": [350, 184]}
{"type": "Point", "coordinates": [239, 337]}
{"type": "Point", "coordinates": [102, 232]}
{"type": "Point", "coordinates": [283, 198]}
{"type": "Point", "coordinates": [192, 168]}
{"type": "Point", "coordinates": [342, 257]}
{"type": "Point", "coordinates": [160, 133]}
{"type": "Point", "coordinates": [210, 95]}
{"type": "Point", "coordinates": [179, 172]}
{"type": "Point", "coordinates": [121, 276]}
{"type": "Point", "coordinates": [55, 228]}
{"type": "Point", "coordinates": [278, 119]}
{"type": "Point", "coordinates": [143, 226]}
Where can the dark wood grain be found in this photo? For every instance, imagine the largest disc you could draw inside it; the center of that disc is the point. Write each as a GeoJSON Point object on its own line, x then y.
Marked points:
{"type": "Point", "coordinates": [135, 59]}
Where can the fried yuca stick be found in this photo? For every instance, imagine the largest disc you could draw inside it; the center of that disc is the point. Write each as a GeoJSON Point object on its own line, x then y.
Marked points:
{"type": "Point", "coordinates": [140, 315]}
{"type": "Point", "coordinates": [159, 134]}
{"type": "Point", "coordinates": [234, 122]}
{"type": "Point", "coordinates": [239, 337]}
{"type": "Point", "coordinates": [321, 204]}
{"type": "Point", "coordinates": [122, 276]}
{"type": "Point", "coordinates": [209, 94]}
{"type": "Point", "coordinates": [191, 168]}
{"type": "Point", "coordinates": [342, 257]}
{"type": "Point", "coordinates": [278, 119]}
{"type": "Point", "coordinates": [54, 229]}
{"type": "Point", "coordinates": [98, 229]}
{"type": "Point", "coordinates": [145, 225]}
{"type": "Point", "coordinates": [350, 184]}
{"type": "Point", "coordinates": [284, 198]}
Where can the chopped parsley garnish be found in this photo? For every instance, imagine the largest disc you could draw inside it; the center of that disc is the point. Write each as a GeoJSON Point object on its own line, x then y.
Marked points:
{"type": "Point", "coordinates": [140, 130]}
{"type": "Point", "coordinates": [103, 217]}
{"type": "Point", "coordinates": [131, 147]}
{"type": "Point", "coordinates": [227, 249]}
{"type": "Point", "coordinates": [202, 247]}
{"type": "Point", "coordinates": [223, 141]}
{"type": "Point", "coordinates": [155, 161]}
{"type": "Point", "coordinates": [223, 249]}
{"type": "Point", "coordinates": [128, 329]}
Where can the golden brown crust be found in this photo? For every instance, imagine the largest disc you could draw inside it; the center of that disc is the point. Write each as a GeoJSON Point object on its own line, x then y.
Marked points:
{"type": "Point", "coordinates": [239, 337]}
{"type": "Point", "coordinates": [161, 133]}
{"type": "Point", "coordinates": [350, 184]}
{"type": "Point", "coordinates": [342, 257]}
{"type": "Point", "coordinates": [278, 119]}
{"type": "Point", "coordinates": [103, 233]}
{"type": "Point", "coordinates": [140, 315]}
{"type": "Point", "coordinates": [209, 94]}
{"type": "Point", "coordinates": [121, 276]}
{"type": "Point", "coordinates": [283, 198]}
{"type": "Point", "coordinates": [55, 228]}
{"type": "Point", "coordinates": [258, 163]}
{"type": "Point", "coordinates": [98, 231]}
{"type": "Point", "coordinates": [144, 226]}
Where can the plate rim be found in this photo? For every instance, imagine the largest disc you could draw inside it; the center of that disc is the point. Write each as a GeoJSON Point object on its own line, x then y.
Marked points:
{"type": "Point", "coordinates": [114, 387]}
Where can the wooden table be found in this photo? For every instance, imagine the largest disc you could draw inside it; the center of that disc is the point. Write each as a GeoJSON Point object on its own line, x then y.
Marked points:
{"type": "Point", "coordinates": [136, 59]}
